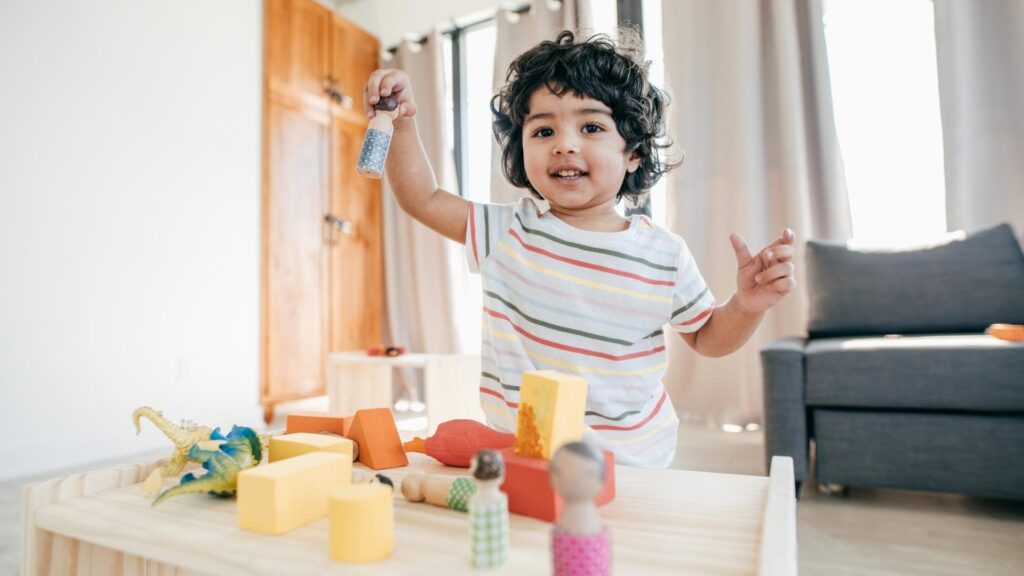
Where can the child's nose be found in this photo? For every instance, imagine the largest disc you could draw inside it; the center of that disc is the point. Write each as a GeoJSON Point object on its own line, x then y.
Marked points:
{"type": "Point", "coordinates": [567, 143]}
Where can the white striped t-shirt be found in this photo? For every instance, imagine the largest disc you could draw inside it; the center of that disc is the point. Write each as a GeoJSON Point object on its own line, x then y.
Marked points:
{"type": "Point", "coordinates": [587, 303]}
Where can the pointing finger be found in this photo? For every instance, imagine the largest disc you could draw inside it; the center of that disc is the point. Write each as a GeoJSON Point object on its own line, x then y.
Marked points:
{"type": "Point", "coordinates": [739, 246]}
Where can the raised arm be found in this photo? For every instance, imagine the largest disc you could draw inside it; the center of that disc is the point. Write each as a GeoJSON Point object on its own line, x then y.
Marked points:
{"type": "Point", "coordinates": [408, 171]}
{"type": "Point", "coordinates": [761, 282]}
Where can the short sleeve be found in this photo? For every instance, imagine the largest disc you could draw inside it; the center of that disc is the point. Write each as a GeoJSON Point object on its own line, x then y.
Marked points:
{"type": "Point", "coordinates": [692, 300]}
{"type": "Point", "coordinates": [486, 224]}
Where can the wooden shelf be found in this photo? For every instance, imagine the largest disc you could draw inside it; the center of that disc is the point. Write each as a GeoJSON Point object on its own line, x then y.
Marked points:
{"type": "Point", "coordinates": [662, 522]}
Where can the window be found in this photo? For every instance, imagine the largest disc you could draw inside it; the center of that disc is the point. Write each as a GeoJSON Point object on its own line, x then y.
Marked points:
{"type": "Point", "coordinates": [478, 66]}
{"type": "Point", "coordinates": [469, 68]}
{"type": "Point", "coordinates": [881, 56]}
{"type": "Point", "coordinates": [654, 51]}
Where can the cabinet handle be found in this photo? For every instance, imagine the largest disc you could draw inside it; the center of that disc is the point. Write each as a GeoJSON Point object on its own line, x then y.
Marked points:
{"type": "Point", "coordinates": [342, 99]}
{"type": "Point", "coordinates": [340, 224]}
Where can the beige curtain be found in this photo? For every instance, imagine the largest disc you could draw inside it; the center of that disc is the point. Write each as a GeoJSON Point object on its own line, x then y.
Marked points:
{"type": "Point", "coordinates": [751, 109]}
{"type": "Point", "coordinates": [418, 288]}
{"type": "Point", "coordinates": [980, 50]}
{"type": "Point", "coordinates": [516, 33]}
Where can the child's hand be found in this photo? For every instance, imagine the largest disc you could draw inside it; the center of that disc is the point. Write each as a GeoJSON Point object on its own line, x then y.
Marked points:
{"type": "Point", "coordinates": [383, 83]}
{"type": "Point", "coordinates": [763, 280]}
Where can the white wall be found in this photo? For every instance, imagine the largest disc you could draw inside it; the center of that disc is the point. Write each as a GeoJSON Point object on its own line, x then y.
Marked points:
{"type": "Point", "coordinates": [129, 223]}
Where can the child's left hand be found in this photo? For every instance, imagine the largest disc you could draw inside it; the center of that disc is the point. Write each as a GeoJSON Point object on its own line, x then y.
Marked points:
{"type": "Point", "coordinates": [763, 280]}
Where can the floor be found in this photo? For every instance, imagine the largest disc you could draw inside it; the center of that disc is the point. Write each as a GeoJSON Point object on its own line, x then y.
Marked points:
{"type": "Point", "coordinates": [864, 532]}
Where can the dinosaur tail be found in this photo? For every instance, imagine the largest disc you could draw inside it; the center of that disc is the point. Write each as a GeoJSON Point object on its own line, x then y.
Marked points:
{"type": "Point", "coordinates": [205, 483]}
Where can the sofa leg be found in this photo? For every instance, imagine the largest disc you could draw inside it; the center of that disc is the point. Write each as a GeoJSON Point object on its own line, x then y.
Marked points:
{"type": "Point", "coordinates": [798, 485]}
{"type": "Point", "coordinates": [831, 489]}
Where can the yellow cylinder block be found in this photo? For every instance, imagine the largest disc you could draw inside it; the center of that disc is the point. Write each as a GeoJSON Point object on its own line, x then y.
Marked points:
{"type": "Point", "coordinates": [362, 521]}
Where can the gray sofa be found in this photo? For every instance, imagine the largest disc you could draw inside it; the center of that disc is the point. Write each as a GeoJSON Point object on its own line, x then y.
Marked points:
{"type": "Point", "coordinates": [896, 385]}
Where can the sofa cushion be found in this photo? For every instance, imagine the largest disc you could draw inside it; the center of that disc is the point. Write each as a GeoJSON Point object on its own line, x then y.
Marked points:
{"type": "Point", "coordinates": [959, 286]}
{"type": "Point", "coordinates": [963, 372]}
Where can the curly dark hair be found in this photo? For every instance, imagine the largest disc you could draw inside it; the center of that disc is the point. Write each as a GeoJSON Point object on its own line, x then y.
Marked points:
{"type": "Point", "coordinates": [594, 68]}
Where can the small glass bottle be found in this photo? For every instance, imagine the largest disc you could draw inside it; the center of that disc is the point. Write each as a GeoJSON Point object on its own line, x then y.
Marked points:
{"type": "Point", "coordinates": [378, 138]}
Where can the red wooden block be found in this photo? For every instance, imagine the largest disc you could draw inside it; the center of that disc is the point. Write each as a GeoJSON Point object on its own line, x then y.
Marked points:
{"type": "Point", "coordinates": [317, 422]}
{"type": "Point", "coordinates": [529, 490]}
{"type": "Point", "coordinates": [379, 445]}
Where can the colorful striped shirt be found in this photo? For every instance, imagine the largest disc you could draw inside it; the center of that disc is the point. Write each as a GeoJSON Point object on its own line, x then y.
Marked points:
{"type": "Point", "coordinates": [588, 303]}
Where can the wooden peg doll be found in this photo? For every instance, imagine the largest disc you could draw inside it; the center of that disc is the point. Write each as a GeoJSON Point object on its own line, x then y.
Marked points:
{"type": "Point", "coordinates": [488, 511]}
{"type": "Point", "coordinates": [446, 491]}
{"type": "Point", "coordinates": [377, 140]}
{"type": "Point", "coordinates": [580, 545]}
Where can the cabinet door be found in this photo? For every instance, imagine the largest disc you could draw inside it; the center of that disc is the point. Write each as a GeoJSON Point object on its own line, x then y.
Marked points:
{"type": "Point", "coordinates": [296, 46]}
{"type": "Point", "coordinates": [355, 295]}
{"type": "Point", "coordinates": [294, 258]}
{"type": "Point", "coordinates": [353, 57]}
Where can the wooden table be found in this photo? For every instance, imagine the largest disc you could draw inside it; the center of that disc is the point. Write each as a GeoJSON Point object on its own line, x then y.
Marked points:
{"type": "Point", "coordinates": [662, 522]}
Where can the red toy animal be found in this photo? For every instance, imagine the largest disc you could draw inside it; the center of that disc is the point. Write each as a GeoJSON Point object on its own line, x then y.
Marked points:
{"type": "Point", "coordinates": [456, 442]}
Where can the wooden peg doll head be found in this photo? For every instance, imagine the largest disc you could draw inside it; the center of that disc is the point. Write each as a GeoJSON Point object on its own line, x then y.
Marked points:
{"type": "Point", "coordinates": [577, 471]}
{"type": "Point", "coordinates": [488, 465]}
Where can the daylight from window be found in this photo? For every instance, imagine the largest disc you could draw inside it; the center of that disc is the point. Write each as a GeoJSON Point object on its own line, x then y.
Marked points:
{"type": "Point", "coordinates": [881, 56]}
{"type": "Point", "coordinates": [654, 52]}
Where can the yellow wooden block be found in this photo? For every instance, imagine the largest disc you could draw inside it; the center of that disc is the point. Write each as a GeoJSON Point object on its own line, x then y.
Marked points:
{"type": "Point", "coordinates": [299, 443]}
{"type": "Point", "coordinates": [362, 521]}
{"type": "Point", "coordinates": [275, 498]}
{"type": "Point", "coordinates": [551, 409]}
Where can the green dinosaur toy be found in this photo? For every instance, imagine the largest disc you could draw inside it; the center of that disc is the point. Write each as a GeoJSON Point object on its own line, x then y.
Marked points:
{"type": "Point", "coordinates": [229, 455]}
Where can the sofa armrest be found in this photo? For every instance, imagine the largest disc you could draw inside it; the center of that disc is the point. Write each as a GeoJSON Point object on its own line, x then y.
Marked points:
{"type": "Point", "coordinates": [785, 413]}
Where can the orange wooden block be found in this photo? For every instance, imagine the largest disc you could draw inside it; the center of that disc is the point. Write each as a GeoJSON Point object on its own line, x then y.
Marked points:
{"type": "Point", "coordinates": [529, 490]}
{"type": "Point", "coordinates": [375, 432]}
{"type": "Point", "coordinates": [1010, 332]}
{"type": "Point", "coordinates": [317, 422]}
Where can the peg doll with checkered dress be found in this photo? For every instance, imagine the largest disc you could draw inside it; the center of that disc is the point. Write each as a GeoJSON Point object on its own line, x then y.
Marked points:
{"type": "Point", "coordinates": [488, 511]}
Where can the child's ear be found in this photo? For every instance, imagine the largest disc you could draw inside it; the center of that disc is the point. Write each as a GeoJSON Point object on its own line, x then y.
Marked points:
{"type": "Point", "coordinates": [633, 163]}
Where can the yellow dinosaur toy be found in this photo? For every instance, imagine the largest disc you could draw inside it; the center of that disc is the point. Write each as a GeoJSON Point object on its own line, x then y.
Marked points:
{"type": "Point", "coordinates": [184, 437]}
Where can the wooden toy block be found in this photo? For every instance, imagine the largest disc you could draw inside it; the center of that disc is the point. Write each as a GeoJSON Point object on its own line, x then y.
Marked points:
{"type": "Point", "coordinates": [361, 522]}
{"type": "Point", "coordinates": [528, 485]}
{"type": "Point", "coordinates": [551, 408]}
{"type": "Point", "coordinates": [291, 445]}
{"type": "Point", "coordinates": [279, 497]}
{"type": "Point", "coordinates": [379, 445]}
{"type": "Point", "coordinates": [317, 422]}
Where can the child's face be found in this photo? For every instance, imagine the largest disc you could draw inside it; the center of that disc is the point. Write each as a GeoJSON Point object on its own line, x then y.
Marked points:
{"type": "Point", "coordinates": [573, 153]}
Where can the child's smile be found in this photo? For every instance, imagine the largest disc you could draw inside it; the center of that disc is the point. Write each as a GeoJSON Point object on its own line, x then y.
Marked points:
{"type": "Point", "coordinates": [575, 158]}
{"type": "Point", "coordinates": [569, 173]}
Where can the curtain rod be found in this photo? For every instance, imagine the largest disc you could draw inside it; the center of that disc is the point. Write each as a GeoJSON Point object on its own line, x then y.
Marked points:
{"type": "Point", "coordinates": [454, 28]}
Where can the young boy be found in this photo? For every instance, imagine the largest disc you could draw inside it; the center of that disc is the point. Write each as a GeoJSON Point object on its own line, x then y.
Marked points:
{"type": "Point", "coordinates": [568, 283]}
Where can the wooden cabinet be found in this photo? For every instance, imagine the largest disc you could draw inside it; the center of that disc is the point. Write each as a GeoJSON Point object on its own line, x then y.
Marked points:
{"type": "Point", "coordinates": [322, 270]}
{"type": "Point", "coordinates": [293, 289]}
{"type": "Point", "coordinates": [352, 58]}
{"type": "Point", "coordinates": [355, 257]}
{"type": "Point", "coordinates": [297, 35]}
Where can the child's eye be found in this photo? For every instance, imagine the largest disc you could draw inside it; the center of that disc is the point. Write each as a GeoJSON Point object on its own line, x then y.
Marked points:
{"type": "Point", "coordinates": [592, 128]}
{"type": "Point", "coordinates": [543, 133]}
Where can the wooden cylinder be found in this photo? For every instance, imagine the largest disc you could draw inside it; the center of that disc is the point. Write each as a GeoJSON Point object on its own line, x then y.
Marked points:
{"type": "Point", "coordinates": [361, 523]}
